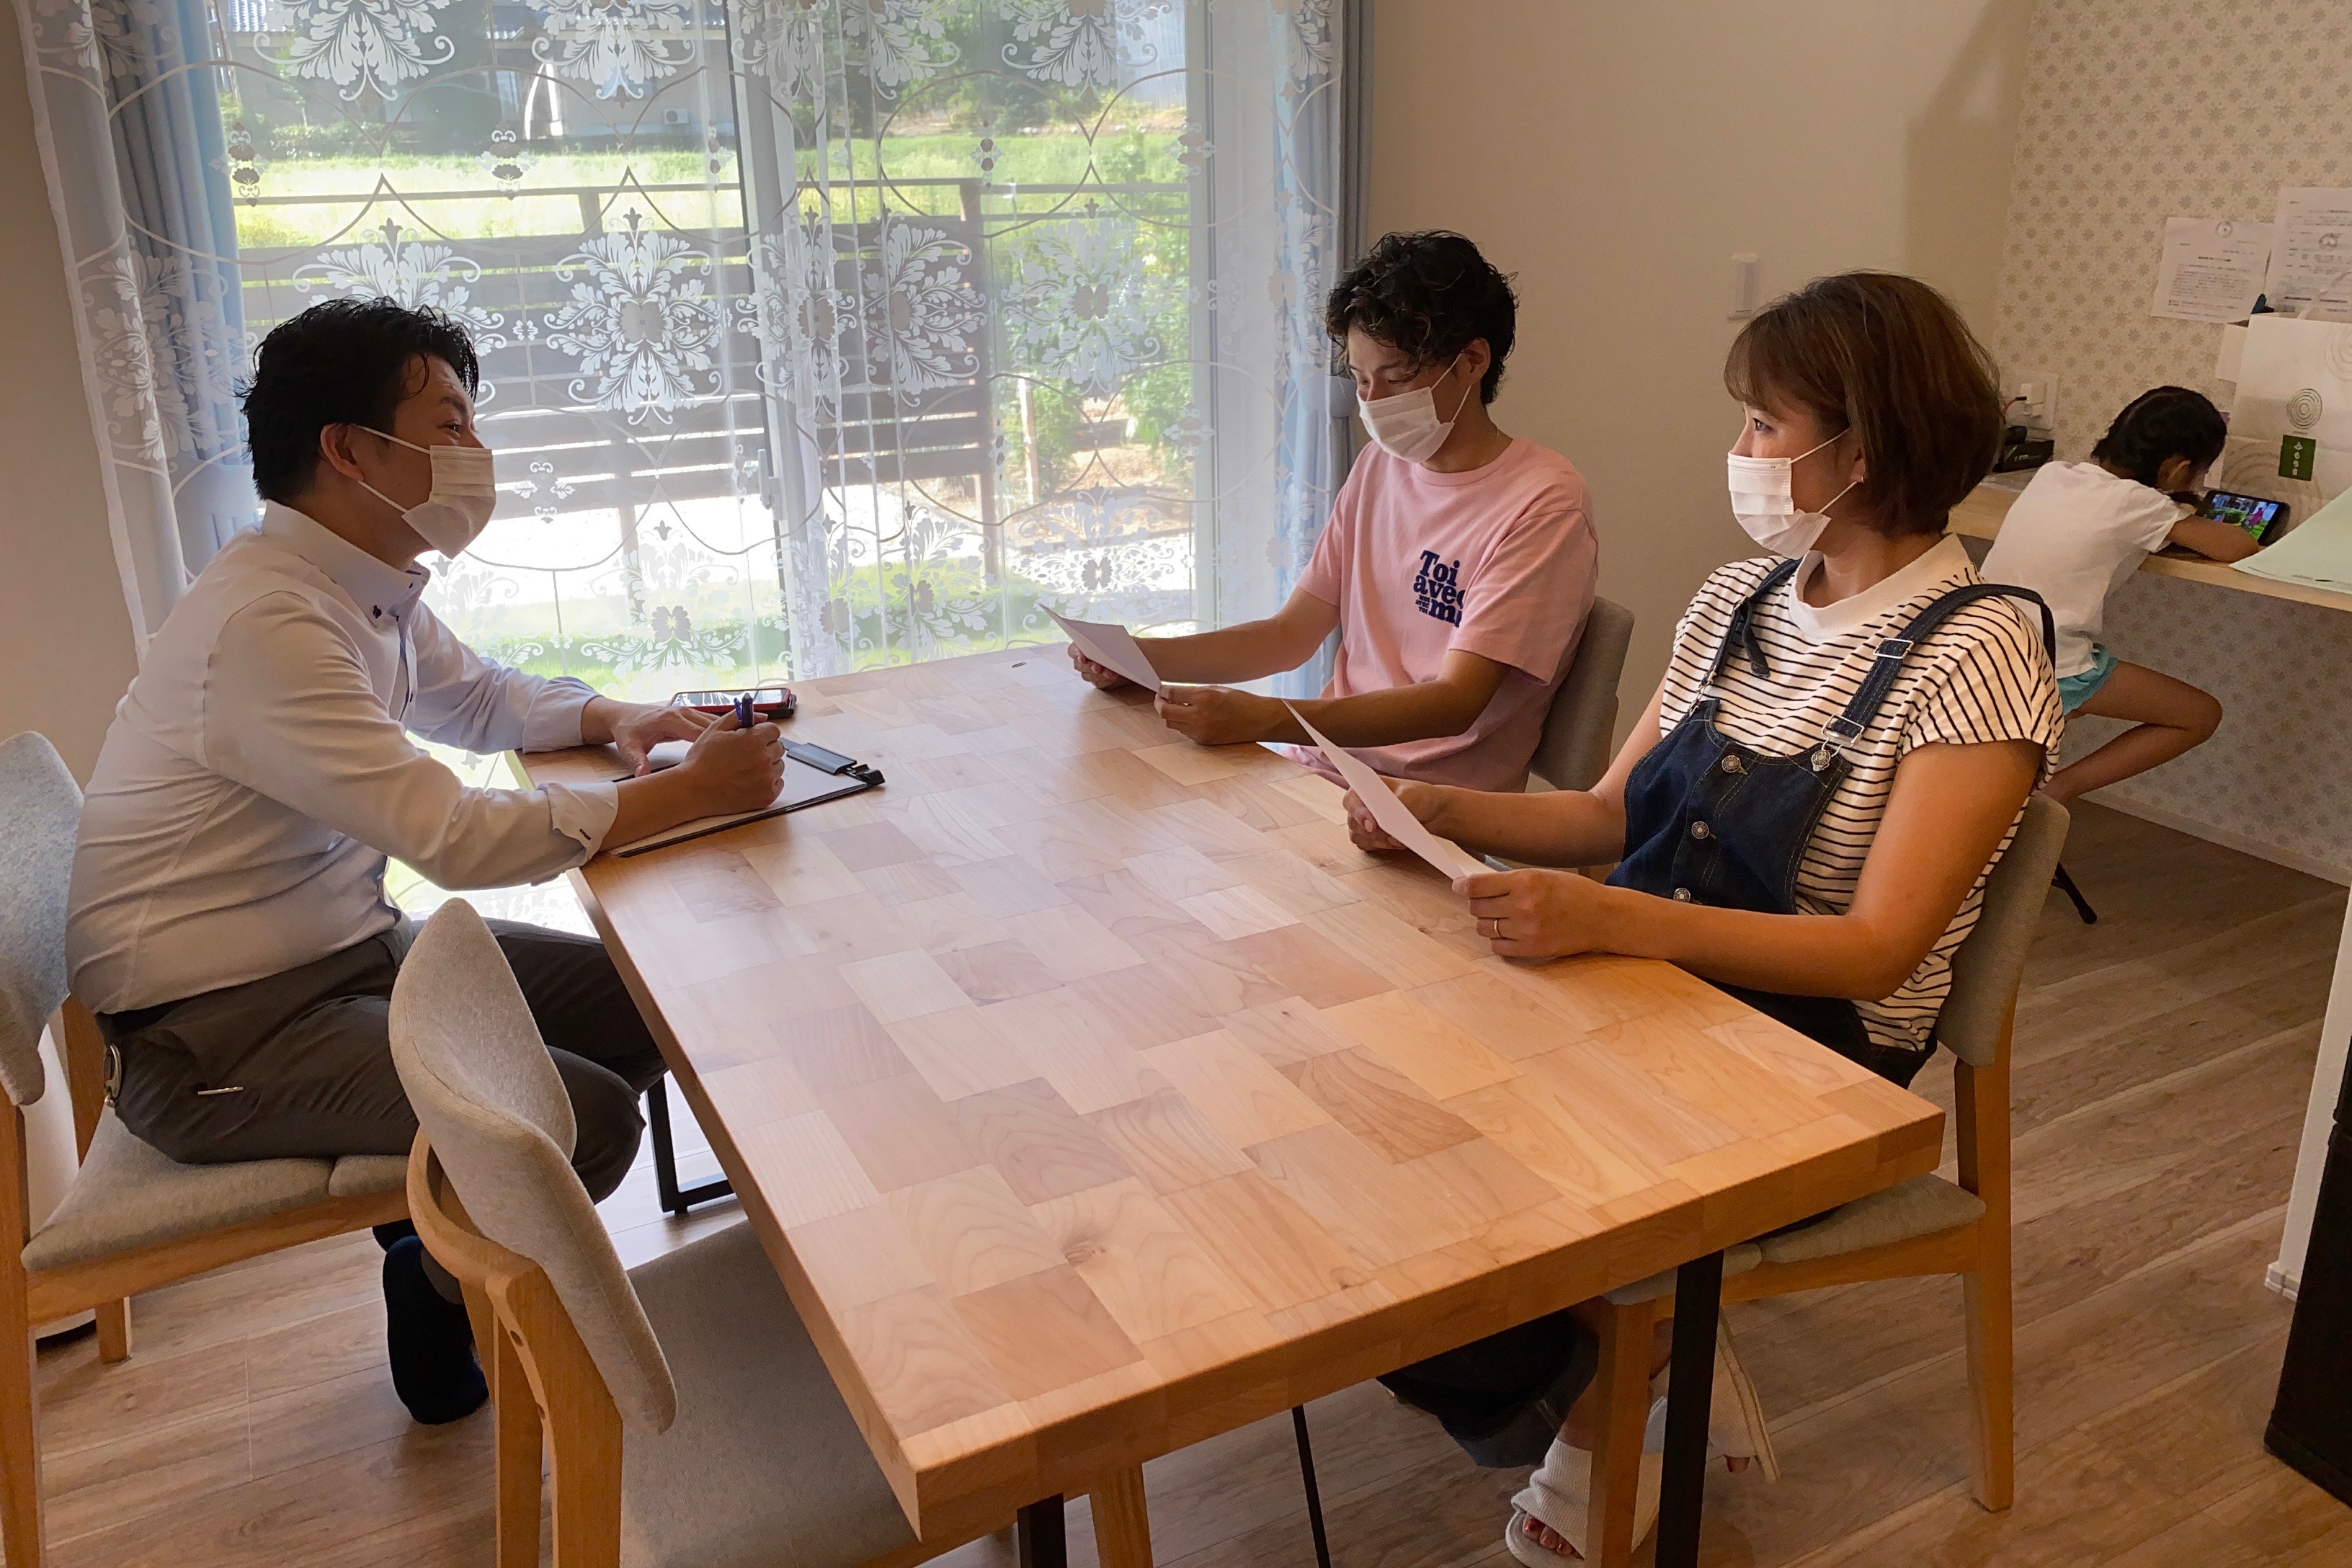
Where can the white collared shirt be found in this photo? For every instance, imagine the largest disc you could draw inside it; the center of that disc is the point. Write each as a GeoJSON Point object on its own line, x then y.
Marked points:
{"type": "Point", "coordinates": [259, 771]}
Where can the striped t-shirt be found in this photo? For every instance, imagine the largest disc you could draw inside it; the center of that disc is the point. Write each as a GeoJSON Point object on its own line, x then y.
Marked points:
{"type": "Point", "coordinates": [1980, 677]}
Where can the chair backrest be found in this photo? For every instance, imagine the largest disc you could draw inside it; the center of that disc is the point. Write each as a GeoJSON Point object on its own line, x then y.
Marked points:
{"type": "Point", "coordinates": [491, 1104]}
{"type": "Point", "coordinates": [42, 807]}
{"type": "Point", "coordinates": [1989, 964]}
{"type": "Point", "coordinates": [1573, 752]}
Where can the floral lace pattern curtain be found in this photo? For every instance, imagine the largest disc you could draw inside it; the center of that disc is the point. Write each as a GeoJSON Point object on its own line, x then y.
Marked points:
{"type": "Point", "coordinates": [815, 335]}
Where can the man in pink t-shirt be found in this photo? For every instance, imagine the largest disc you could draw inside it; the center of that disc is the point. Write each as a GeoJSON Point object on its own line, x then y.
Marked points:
{"type": "Point", "coordinates": [1458, 565]}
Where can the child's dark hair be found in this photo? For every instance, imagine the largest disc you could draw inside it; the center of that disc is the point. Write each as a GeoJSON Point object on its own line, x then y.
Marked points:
{"type": "Point", "coordinates": [1428, 295]}
{"type": "Point", "coordinates": [2168, 422]}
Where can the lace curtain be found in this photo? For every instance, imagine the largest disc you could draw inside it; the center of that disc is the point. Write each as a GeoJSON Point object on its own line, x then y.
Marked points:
{"type": "Point", "coordinates": [815, 335]}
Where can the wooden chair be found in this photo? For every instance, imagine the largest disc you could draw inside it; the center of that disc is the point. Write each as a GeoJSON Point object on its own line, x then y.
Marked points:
{"type": "Point", "coordinates": [684, 1412]}
{"type": "Point", "coordinates": [1575, 747]}
{"type": "Point", "coordinates": [1925, 1226]}
{"type": "Point", "coordinates": [132, 1220]}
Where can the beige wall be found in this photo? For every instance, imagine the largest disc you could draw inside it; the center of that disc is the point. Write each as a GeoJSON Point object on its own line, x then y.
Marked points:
{"type": "Point", "coordinates": [1616, 155]}
{"type": "Point", "coordinates": [66, 652]}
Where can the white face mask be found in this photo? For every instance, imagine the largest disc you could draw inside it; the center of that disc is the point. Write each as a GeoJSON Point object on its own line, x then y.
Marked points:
{"type": "Point", "coordinates": [1406, 425]}
{"type": "Point", "coordinates": [1762, 502]}
{"type": "Point", "coordinates": [465, 492]}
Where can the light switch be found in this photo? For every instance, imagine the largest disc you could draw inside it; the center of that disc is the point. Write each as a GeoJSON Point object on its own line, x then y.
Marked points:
{"type": "Point", "coordinates": [1743, 271]}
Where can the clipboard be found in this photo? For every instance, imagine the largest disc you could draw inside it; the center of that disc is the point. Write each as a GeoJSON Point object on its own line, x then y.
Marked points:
{"type": "Point", "coordinates": [812, 775]}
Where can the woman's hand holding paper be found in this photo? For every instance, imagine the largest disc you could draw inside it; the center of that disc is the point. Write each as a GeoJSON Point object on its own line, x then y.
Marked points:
{"type": "Point", "coordinates": [1536, 914]}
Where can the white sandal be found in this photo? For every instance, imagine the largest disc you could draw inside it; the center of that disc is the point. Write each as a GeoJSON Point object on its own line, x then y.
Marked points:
{"type": "Point", "coordinates": [1558, 1494]}
{"type": "Point", "coordinates": [1561, 1488]}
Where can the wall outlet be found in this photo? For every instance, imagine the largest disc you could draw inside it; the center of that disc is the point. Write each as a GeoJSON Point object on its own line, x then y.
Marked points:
{"type": "Point", "coordinates": [2030, 397]}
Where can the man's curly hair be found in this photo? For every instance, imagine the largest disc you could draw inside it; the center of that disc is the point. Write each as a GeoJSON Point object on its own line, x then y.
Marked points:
{"type": "Point", "coordinates": [1428, 295]}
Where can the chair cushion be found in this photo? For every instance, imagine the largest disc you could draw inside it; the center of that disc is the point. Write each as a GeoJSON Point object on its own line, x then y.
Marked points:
{"type": "Point", "coordinates": [128, 1195]}
{"type": "Point", "coordinates": [1737, 1258]}
{"type": "Point", "coordinates": [1920, 1206]}
{"type": "Point", "coordinates": [763, 1466]}
{"type": "Point", "coordinates": [365, 1175]}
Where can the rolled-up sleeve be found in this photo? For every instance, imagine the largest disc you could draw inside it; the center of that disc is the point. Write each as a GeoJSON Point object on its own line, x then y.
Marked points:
{"type": "Point", "coordinates": [289, 713]}
{"type": "Point", "coordinates": [464, 699]}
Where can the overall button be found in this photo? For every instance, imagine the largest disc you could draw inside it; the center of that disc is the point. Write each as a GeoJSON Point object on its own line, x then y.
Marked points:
{"type": "Point", "coordinates": [1699, 830]}
{"type": "Point", "coordinates": [1731, 763]}
{"type": "Point", "coordinates": [1682, 895]}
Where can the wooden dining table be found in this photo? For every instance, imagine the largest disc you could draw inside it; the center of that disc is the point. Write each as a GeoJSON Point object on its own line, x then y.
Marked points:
{"type": "Point", "coordinates": [1093, 1095]}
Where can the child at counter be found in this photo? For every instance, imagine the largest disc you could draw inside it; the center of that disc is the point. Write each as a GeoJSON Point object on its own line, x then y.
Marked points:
{"type": "Point", "coordinates": [2076, 531]}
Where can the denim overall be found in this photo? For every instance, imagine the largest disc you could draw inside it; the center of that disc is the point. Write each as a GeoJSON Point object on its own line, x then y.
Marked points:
{"type": "Point", "coordinates": [1711, 822]}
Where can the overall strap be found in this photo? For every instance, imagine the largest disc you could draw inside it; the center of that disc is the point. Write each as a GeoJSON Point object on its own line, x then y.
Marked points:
{"type": "Point", "coordinates": [1847, 726]}
{"type": "Point", "coordinates": [1741, 633]}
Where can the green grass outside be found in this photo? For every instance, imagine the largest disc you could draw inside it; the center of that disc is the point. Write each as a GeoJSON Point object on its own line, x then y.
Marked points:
{"type": "Point", "coordinates": [1134, 156]}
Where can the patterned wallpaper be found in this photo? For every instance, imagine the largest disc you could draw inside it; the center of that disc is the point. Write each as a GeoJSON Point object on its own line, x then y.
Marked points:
{"type": "Point", "coordinates": [2133, 112]}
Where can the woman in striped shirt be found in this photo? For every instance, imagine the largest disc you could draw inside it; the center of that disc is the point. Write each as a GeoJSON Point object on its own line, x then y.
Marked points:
{"type": "Point", "coordinates": [1806, 812]}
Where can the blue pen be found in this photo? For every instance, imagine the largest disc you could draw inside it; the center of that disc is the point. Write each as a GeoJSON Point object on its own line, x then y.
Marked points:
{"type": "Point", "coordinates": [745, 714]}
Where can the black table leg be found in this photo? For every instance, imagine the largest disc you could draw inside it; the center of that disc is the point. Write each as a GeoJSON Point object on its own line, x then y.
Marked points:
{"type": "Point", "coordinates": [1037, 1529]}
{"type": "Point", "coordinates": [1690, 1393]}
{"type": "Point", "coordinates": [673, 1199]}
{"type": "Point", "coordinates": [1314, 1492]}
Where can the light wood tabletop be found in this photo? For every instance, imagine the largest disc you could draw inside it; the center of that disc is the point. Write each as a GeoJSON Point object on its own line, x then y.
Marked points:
{"type": "Point", "coordinates": [1093, 1095]}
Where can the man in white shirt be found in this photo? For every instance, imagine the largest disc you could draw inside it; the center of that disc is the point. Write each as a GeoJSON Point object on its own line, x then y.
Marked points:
{"type": "Point", "coordinates": [228, 921]}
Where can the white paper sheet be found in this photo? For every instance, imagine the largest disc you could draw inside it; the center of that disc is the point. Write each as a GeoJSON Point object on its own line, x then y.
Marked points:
{"type": "Point", "coordinates": [2318, 552]}
{"type": "Point", "coordinates": [1110, 645]}
{"type": "Point", "coordinates": [2311, 253]}
{"type": "Point", "coordinates": [2212, 269]}
{"type": "Point", "coordinates": [1390, 812]}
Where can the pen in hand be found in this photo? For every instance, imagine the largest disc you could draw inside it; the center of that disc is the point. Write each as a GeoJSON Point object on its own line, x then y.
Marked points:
{"type": "Point", "coordinates": [745, 714]}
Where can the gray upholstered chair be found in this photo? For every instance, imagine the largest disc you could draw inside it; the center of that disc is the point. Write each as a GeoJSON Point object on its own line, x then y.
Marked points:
{"type": "Point", "coordinates": [1922, 1227]}
{"type": "Point", "coordinates": [685, 1414]}
{"type": "Point", "coordinates": [1573, 752]}
{"type": "Point", "coordinates": [132, 1220]}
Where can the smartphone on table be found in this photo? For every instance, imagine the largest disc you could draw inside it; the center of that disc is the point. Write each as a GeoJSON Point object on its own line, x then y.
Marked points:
{"type": "Point", "coordinates": [772, 703]}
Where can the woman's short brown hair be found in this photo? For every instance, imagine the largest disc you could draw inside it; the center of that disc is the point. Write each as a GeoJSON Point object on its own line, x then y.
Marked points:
{"type": "Point", "coordinates": [1889, 357]}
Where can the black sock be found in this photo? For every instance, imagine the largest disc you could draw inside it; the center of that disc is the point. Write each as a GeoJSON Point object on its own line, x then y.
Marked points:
{"type": "Point", "coordinates": [430, 1342]}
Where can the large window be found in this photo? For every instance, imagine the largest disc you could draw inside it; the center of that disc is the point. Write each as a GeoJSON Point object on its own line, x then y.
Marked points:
{"type": "Point", "coordinates": [816, 334]}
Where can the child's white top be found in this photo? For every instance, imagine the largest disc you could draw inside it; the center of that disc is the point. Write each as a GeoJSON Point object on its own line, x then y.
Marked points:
{"type": "Point", "coordinates": [2074, 535]}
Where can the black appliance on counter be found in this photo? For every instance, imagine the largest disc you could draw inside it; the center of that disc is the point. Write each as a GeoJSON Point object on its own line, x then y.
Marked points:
{"type": "Point", "coordinates": [2311, 1425]}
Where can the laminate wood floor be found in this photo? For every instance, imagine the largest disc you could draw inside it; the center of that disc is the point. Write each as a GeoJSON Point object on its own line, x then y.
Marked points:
{"type": "Point", "coordinates": [2163, 1059]}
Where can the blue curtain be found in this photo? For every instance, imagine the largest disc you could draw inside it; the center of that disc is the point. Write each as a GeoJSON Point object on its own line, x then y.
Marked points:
{"type": "Point", "coordinates": [172, 157]}
{"type": "Point", "coordinates": [1318, 158]}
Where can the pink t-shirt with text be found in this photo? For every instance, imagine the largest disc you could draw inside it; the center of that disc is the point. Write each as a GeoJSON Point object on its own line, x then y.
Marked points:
{"type": "Point", "coordinates": [1499, 562]}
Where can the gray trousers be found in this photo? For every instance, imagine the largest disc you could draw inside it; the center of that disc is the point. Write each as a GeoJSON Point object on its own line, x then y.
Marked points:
{"type": "Point", "coordinates": [300, 1064]}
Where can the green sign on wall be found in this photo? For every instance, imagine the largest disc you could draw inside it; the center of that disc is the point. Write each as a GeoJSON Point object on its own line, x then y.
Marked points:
{"type": "Point", "coordinates": [2295, 454]}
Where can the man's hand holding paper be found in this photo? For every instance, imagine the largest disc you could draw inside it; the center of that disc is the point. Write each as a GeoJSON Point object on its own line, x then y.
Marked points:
{"type": "Point", "coordinates": [1101, 648]}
